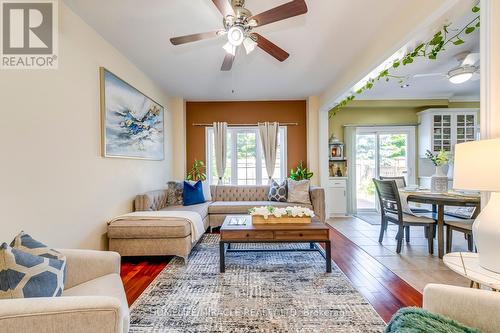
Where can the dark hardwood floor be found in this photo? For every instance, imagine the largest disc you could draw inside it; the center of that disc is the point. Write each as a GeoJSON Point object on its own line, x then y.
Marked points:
{"type": "Point", "coordinates": [138, 272]}
{"type": "Point", "coordinates": [385, 291]}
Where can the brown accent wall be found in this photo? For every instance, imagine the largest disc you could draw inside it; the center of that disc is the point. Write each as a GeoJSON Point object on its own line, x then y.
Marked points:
{"type": "Point", "coordinates": [247, 112]}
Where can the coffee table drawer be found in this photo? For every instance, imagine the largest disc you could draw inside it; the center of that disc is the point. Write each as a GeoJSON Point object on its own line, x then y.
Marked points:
{"type": "Point", "coordinates": [301, 234]}
{"type": "Point", "coordinates": [244, 235]}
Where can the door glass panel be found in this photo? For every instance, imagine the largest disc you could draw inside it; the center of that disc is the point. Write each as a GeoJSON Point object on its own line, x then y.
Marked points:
{"type": "Point", "coordinates": [393, 155]}
{"type": "Point", "coordinates": [365, 170]}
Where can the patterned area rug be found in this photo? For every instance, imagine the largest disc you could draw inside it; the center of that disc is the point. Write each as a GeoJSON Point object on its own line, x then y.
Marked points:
{"type": "Point", "coordinates": [260, 292]}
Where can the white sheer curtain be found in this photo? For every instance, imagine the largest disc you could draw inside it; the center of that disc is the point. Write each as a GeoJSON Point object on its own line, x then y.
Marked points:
{"type": "Point", "coordinates": [220, 140]}
{"type": "Point", "coordinates": [350, 144]}
{"type": "Point", "coordinates": [269, 140]}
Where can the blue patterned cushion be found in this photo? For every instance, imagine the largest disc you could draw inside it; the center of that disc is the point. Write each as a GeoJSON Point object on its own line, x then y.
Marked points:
{"type": "Point", "coordinates": [277, 192]}
{"type": "Point", "coordinates": [28, 244]}
{"type": "Point", "coordinates": [24, 275]}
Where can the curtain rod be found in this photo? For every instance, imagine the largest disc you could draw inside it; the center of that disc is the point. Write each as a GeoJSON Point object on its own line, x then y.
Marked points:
{"type": "Point", "coordinates": [242, 125]}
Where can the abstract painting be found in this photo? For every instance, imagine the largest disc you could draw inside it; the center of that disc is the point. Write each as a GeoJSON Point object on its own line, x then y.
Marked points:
{"type": "Point", "coordinates": [132, 123]}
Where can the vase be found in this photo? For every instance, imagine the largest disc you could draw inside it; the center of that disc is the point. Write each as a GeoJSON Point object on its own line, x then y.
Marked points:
{"type": "Point", "coordinates": [439, 181]}
{"type": "Point", "coordinates": [486, 232]}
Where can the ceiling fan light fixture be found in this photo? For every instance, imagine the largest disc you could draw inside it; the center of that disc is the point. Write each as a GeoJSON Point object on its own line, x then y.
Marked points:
{"type": "Point", "coordinates": [461, 74]}
{"type": "Point", "coordinates": [236, 35]}
{"type": "Point", "coordinates": [230, 48]}
{"type": "Point", "coordinates": [249, 44]}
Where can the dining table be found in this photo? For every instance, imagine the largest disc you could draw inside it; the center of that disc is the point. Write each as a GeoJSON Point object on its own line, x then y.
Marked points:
{"type": "Point", "coordinates": [438, 202]}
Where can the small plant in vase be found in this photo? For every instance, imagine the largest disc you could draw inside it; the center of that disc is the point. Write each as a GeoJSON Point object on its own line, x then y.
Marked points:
{"type": "Point", "coordinates": [439, 181]}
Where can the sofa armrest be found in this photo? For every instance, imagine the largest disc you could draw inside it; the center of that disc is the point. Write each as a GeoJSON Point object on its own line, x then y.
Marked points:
{"type": "Point", "coordinates": [154, 200]}
{"type": "Point", "coordinates": [86, 265]}
{"type": "Point", "coordinates": [471, 307]}
{"type": "Point", "coordinates": [97, 314]}
{"type": "Point", "coordinates": [318, 201]}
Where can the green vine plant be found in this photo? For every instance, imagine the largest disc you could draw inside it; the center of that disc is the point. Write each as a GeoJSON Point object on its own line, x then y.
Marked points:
{"type": "Point", "coordinates": [430, 49]}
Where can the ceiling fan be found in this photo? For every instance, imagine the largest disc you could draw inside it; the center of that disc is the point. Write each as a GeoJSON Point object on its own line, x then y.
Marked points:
{"type": "Point", "coordinates": [467, 70]}
{"type": "Point", "coordinates": [238, 25]}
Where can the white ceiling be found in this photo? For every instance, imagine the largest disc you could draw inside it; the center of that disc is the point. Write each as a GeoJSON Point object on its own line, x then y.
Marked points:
{"type": "Point", "coordinates": [433, 87]}
{"type": "Point", "coordinates": [322, 44]}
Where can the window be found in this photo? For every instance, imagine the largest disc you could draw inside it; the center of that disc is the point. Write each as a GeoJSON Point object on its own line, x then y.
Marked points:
{"type": "Point", "coordinates": [245, 164]}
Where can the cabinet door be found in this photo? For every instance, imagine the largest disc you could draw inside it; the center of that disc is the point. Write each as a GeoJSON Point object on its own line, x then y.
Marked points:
{"type": "Point", "coordinates": [442, 132]}
{"type": "Point", "coordinates": [338, 201]}
{"type": "Point", "coordinates": [466, 127]}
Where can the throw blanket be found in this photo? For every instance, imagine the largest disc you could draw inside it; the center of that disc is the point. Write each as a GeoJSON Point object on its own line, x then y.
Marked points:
{"type": "Point", "coordinates": [194, 219]}
{"type": "Point", "coordinates": [416, 320]}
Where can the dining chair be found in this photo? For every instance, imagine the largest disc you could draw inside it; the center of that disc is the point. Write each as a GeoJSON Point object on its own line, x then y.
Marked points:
{"type": "Point", "coordinates": [400, 180]}
{"type": "Point", "coordinates": [391, 211]}
{"type": "Point", "coordinates": [463, 226]}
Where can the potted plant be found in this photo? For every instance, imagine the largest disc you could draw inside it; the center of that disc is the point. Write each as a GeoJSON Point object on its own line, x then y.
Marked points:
{"type": "Point", "coordinates": [300, 173]}
{"type": "Point", "coordinates": [196, 173]}
{"type": "Point", "coordinates": [439, 181]}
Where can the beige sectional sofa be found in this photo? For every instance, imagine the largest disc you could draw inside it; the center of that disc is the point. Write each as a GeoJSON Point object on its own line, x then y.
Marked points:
{"type": "Point", "coordinates": [142, 238]}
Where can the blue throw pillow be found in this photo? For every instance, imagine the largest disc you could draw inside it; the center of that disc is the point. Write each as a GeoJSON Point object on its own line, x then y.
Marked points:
{"type": "Point", "coordinates": [193, 194]}
{"type": "Point", "coordinates": [24, 275]}
{"type": "Point", "coordinates": [28, 244]}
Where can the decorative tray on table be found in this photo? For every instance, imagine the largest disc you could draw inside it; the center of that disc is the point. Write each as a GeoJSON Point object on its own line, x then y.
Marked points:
{"type": "Point", "coordinates": [276, 215]}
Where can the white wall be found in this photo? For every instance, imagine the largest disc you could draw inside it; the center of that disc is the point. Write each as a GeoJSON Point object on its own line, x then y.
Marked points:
{"type": "Point", "coordinates": [313, 137]}
{"type": "Point", "coordinates": [179, 136]}
{"type": "Point", "coordinates": [54, 183]}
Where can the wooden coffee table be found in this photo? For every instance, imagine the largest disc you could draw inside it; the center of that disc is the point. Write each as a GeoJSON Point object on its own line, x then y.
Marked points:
{"type": "Point", "coordinates": [239, 229]}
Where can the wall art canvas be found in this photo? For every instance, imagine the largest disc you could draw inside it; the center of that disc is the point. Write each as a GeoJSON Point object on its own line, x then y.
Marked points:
{"type": "Point", "coordinates": [132, 123]}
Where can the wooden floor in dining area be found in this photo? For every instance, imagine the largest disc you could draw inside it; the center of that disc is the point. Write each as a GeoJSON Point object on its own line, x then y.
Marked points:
{"type": "Point", "coordinates": [414, 264]}
{"type": "Point", "coordinates": [382, 288]}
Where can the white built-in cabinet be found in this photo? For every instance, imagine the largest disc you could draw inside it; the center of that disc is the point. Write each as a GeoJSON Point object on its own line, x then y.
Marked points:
{"type": "Point", "coordinates": [442, 129]}
{"type": "Point", "coordinates": [337, 196]}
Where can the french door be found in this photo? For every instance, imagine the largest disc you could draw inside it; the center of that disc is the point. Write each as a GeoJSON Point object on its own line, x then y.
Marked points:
{"type": "Point", "coordinates": [382, 151]}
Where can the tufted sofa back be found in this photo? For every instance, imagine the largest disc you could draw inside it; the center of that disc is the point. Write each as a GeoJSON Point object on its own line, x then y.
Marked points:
{"type": "Point", "coordinates": [154, 200]}
{"type": "Point", "coordinates": [239, 193]}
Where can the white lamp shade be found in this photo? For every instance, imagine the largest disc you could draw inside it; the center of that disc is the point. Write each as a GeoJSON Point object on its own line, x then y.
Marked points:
{"type": "Point", "coordinates": [477, 166]}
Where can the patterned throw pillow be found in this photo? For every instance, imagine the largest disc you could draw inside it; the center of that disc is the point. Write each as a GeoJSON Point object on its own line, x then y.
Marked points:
{"type": "Point", "coordinates": [28, 244]}
{"type": "Point", "coordinates": [298, 191]}
{"type": "Point", "coordinates": [174, 193]}
{"type": "Point", "coordinates": [277, 192]}
{"type": "Point", "coordinates": [23, 275]}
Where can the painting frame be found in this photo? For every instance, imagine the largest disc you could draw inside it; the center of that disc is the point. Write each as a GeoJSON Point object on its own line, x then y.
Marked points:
{"type": "Point", "coordinates": [104, 112]}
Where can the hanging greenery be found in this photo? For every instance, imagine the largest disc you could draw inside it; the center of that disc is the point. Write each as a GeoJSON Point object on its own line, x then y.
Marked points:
{"type": "Point", "coordinates": [430, 49]}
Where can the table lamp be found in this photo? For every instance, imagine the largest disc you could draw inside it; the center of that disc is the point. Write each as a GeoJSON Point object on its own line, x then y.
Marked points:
{"type": "Point", "coordinates": [477, 167]}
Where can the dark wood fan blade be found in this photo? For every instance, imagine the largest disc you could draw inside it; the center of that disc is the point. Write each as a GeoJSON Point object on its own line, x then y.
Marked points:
{"type": "Point", "coordinates": [193, 37]}
{"type": "Point", "coordinates": [271, 48]}
{"type": "Point", "coordinates": [290, 9]}
{"type": "Point", "coordinates": [227, 64]}
{"type": "Point", "coordinates": [224, 7]}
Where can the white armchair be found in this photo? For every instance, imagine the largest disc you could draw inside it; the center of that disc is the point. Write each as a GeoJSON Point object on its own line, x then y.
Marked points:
{"type": "Point", "coordinates": [471, 307]}
{"type": "Point", "coordinates": [93, 300]}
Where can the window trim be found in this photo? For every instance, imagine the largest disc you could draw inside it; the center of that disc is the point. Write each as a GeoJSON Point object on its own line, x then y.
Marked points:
{"type": "Point", "coordinates": [259, 158]}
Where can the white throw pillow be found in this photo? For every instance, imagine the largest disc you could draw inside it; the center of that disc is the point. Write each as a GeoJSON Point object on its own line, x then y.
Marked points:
{"type": "Point", "coordinates": [298, 191]}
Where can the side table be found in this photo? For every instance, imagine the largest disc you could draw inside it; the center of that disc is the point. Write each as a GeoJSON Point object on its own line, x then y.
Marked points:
{"type": "Point", "coordinates": [467, 265]}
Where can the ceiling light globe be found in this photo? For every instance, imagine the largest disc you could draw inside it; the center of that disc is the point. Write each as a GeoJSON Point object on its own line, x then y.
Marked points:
{"type": "Point", "coordinates": [236, 35]}
{"type": "Point", "coordinates": [460, 78]}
